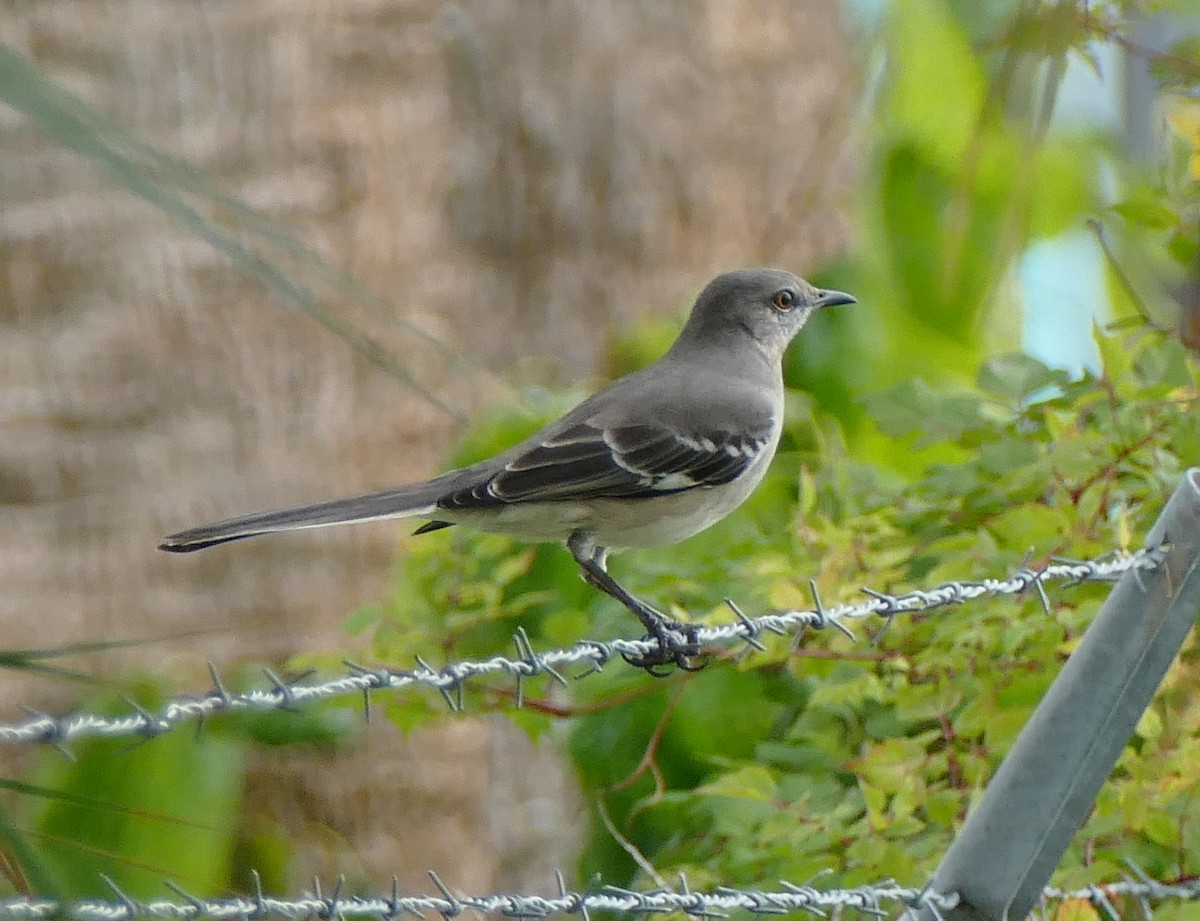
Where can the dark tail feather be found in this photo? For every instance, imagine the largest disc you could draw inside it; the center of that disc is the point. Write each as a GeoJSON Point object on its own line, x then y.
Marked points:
{"type": "Point", "coordinates": [405, 502]}
{"type": "Point", "coordinates": [183, 542]}
{"type": "Point", "coordinates": [432, 526]}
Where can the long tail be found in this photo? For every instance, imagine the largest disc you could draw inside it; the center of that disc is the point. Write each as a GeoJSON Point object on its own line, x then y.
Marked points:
{"type": "Point", "coordinates": [417, 500]}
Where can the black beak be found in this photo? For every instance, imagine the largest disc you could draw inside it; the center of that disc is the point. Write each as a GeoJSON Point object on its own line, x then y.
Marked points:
{"type": "Point", "coordinates": [833, 299]}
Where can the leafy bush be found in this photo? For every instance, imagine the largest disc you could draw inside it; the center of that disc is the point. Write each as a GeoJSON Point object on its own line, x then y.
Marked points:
{"type": "Point", "coordinates": [859, 756]}
{"type": "Point", "coordinates": [965, 459]}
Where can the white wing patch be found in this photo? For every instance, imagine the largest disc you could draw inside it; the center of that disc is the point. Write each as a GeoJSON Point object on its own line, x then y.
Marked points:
{"type": "Point", "coordinates": [673, 482]}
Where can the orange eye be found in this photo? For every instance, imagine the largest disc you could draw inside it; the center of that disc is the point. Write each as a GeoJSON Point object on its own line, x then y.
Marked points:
{"type": "Point", "coordinates": [784, 300]}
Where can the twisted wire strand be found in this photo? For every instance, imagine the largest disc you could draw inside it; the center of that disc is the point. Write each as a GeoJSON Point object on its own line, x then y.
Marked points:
{"type": "Point", "coordinates": [717, 903]}
{"type": "Point", "coordinates": [450, 679]}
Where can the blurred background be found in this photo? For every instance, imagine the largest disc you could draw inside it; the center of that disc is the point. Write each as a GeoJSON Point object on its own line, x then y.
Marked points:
{"type": "Point", "coordinates": [260, 253]}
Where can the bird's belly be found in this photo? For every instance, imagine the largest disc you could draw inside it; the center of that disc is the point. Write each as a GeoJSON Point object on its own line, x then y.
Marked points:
{"type": "Point", "coordinates": [624, 524]}
{"type": "Point", "coordinates": [535, 522]}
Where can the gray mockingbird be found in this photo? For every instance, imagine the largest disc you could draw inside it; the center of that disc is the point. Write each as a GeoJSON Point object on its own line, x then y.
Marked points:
{"type": "Point", "coordinates": [653, 458]}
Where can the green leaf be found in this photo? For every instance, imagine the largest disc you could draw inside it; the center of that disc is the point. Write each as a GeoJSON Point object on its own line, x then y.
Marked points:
{"type": "Point", "coordinates": [1115, 358]}
{"type": "Point", "coordinates": [1017, 376]}
{"type": "Point", "coordinates": [914, 406]}
{"type": "Point", "coordinates": [944, 807]}
{"type": "Point", "coordinates": [1149, 212]}
{"type": "Point", "coordinates": [752, 782]}
{"type": "Point", "coordinates": [929, 49]}
{"type": "Point", "coordinates": [1026, 525]}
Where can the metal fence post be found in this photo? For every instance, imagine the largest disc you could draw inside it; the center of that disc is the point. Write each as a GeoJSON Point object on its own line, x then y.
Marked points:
{"type": "Point", "coordinates": [1041, 794]}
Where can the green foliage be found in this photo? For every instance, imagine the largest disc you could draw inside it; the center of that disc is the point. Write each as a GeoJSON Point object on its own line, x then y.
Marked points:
{"type": "Point", "coordinates": [167, 809]}
{"type": "Point", "coordinates": [170, 808]}
{"type": "Point", "coordinates": [966, 458]}
{"type": "Point", "coordinates": [958, 188]}
{"type": "Point", "coordinates": [862, 758]}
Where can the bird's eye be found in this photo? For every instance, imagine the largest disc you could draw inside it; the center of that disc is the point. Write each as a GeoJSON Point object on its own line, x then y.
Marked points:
{"type": "Point", "coordinates": [784, 300]}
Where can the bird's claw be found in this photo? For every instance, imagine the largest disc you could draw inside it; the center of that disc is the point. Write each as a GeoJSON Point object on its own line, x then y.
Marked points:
{"type": "Point", "coordinates": [677, 643]}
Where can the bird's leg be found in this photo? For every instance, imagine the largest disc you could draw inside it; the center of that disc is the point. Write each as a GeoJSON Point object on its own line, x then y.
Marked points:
{"type": "Point", "coordinates": [677, 642]}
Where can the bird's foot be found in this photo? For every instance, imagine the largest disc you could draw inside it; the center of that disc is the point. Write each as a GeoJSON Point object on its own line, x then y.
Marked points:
{"type": "Point", "coordinates": [677, 643]}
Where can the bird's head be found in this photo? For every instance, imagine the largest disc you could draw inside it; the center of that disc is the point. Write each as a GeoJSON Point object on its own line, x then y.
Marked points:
{"type": "Point", "coordinates": [768, 305]}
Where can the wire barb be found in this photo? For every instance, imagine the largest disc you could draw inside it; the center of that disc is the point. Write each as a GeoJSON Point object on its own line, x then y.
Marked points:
{"type": "Point", "coordinates": [455, 906]}
{"type": "Point", "coordinates": [200, 908]}
{"type": "Point", "coordinates": [752, 630]}
{"type": "Point", "coordinates": [132, 909]}
{"type": "Point", "coordinates": [282, 689]}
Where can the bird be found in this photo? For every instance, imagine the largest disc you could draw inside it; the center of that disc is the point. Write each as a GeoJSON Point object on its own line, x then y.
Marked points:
{"type": "Point", "coordinates": [653, 458]}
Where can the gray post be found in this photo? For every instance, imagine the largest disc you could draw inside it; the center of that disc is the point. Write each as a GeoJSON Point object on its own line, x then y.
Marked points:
{"type": "Point", "coordinates": [1012, 841]}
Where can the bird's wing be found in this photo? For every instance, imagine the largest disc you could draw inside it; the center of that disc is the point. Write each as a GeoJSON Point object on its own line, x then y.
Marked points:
{"type": "Point", "coordinates": [635, 461]}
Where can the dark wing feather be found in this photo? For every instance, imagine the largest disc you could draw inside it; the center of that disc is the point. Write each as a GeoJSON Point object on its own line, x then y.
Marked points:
{"type": "Point", "coordinates": [624, 462]}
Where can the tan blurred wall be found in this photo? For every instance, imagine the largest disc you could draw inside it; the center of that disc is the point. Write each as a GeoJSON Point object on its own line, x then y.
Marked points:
{"type": "Point", "coordinates": [547, 167]}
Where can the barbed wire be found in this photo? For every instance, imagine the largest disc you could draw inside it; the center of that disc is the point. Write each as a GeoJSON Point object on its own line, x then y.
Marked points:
{"type": "Point", "coordinates": [714, 903]}
{"type": "Point", "coordinates": [450, 679]}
